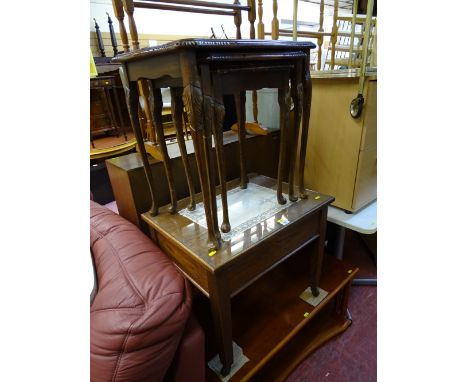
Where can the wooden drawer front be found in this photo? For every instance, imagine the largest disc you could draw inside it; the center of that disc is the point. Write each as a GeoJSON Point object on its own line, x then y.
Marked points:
{"type": "Point", "coordinates": [366, 179]}
{"type": "Point", "coordinates": [101, 83]}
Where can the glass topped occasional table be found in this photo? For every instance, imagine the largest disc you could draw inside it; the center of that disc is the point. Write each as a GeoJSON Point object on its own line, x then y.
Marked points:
{"type": "Point", "coordinates": [256, 244]}
{"type": "Point", "coordinates": [264, 226]}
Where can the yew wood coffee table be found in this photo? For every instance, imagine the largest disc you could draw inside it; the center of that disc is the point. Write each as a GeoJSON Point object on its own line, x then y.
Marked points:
{"type": "Point", "coordinates": [263, 234]}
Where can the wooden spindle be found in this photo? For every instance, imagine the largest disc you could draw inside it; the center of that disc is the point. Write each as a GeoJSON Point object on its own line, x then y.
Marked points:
{"type": "Point", "coordinates": [119, 15]}
{"type": "Point", "coordinates": [334, 33]}
{"type": "Point", "coordinates": [320, 38]}
{"type": "Point", "coordinates": [295, 20]}
{"type": "Point", "coordinates": [240, 113]}
{"type": "Point", "coordinates": [129, 9]}
{"type": "Point", "coordinates": [177, 109]}
{"type": "Point", "coordinates": [238, 20]}
{"type": "Point", "coordinates": [99, 39]}
{"type": "Point", "coordinates": [255, 106]}
{"type": "Point", "coordinates": [252, 17]}
{"type": "Point", "coordinates": [158, 123]}
{"type": "Point", "coordinates": [112, 35]}
{"type": "Point", "coordinates": [260, 25]}
{"type": "Point", "coordinates": [275, 22]}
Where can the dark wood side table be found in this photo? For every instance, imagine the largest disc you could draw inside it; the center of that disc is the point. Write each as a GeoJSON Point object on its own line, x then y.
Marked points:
{"type": "Point", "coordinates": [106, 87]}
{"type": "Point", "coordinates": [131, 192]}
{"type": "Point", "coordinates": [246, 256]}
{"type": "Point", "coordinates": [200, 71]}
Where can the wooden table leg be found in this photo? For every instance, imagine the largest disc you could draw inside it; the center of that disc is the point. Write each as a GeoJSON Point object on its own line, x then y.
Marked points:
{"type": "Point", "coordinates": [158, 123]}
{"type": "Point", "coordinates": [221, 312]}
{"type": "Point", "coordinates": [193, 102]}
{"type": "Point", "coordinates": [297, 96]}
{"type": "Point", "coordinates": [283, 106]}
{"type": "Point", "coordinates": [240, 111]}
{"type": "Point", "coordinates": [318, 247]}
{"type": "Point", "coordinates": [218, 133]}
{"type": "Point", "coordinates": [131, 96]}
{"type": "Point", "coordinates": [305, 125]}
{"type": "Point", "coordinates": [146, 111]}
{"type": "Point", "coordinates": [177, 108]}
{"type": "Point", "coordinates": [208, 106]}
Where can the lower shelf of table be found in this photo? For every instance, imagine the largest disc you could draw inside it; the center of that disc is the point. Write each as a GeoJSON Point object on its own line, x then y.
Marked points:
{"type": "Point", "coordinates": [274, 327]}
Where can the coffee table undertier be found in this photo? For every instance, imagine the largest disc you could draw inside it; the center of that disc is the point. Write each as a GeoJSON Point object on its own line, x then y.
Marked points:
{"type": "Point", "coordinates": [246, 257]}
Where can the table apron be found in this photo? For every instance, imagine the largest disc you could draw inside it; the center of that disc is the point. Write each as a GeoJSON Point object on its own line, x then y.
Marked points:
{"type": "Point", "coordinates": [270, 252]}
{"type": "Point", "coordinates": [153, 68]}
{"type": "Point", "coordinates": [193, 269]}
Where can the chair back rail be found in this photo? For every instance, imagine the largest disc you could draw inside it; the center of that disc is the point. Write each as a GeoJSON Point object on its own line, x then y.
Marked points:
{"type": "Point", "coordinates": [195, 6]}
{"type": "Point", "coordinates": [119, 15]}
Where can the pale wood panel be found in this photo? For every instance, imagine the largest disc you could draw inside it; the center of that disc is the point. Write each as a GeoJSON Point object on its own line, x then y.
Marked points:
{"type": "Point", "coordinates": [369, 135]}
{"type": "Point", "coordinates": [366, 179]}
{"type": "Point", "coordinates": [334, 140]}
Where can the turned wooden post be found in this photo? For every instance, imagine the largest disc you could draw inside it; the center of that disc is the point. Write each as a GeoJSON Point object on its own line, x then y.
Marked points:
{"type": "Point", "coordinates": [275, 22]}
{"type": "Point", "coordinates": [320, 38]}
{"type": "Point", "coordinates": [260, 25]}
{"type": "Point", "coordinates": [295, 20]}
{"type": "Point", "coordinates": [99, 39]}
{"type": "Point", "coordinates": [112, 35]}
{"type": "Point", "coordinates": [260, 36]}
{"type": "Point", "coordinates": [252, 17]}
{"type": "Point", "coordinates": [119, 15]}
{"type": "Point", "coordinates": [238, 20]}
{"type": "Point", "coordinates": [129, 9]}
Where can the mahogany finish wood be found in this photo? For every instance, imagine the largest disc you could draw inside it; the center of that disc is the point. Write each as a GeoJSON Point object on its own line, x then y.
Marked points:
{"type": "Point", "coordinates": [103, 118]}
{"type": "Point", "coordinates": [240, 261]}
{"type": "Point", "coordinates": [131, 192]}
{"type": "Point", "coordinates": [177, 108]}
{"type": "Point", "coordinates": [233, 66]}
{"type": "Point", "coordinates": [206, 70]}
{"type": "Point", "coordinates": [271, 309]}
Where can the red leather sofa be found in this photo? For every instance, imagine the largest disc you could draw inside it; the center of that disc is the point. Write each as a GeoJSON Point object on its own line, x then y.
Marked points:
{"type": "Point", "coordinates": [142, 328]}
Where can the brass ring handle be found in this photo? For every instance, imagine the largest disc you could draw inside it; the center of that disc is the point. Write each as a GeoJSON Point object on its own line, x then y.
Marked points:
{"type": "Point", "coordinates": [355, 108]}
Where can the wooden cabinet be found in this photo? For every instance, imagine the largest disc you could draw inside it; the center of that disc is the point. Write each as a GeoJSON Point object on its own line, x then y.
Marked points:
{"type": "Point", "coordinates": [341, 155]}
{"type": "Point", "coordinates": [108, 112]}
